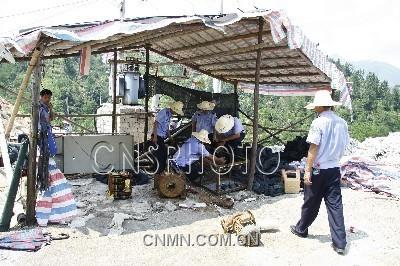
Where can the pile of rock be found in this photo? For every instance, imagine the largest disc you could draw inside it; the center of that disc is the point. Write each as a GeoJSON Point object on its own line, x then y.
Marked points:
{"type": "Point", "coordinates": [385, 150]}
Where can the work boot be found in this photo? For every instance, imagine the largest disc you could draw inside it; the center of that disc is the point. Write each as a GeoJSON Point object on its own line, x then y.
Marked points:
{"type": "Point", "coordinates": [339, 251]}
{"type": "Point", "coordinates": [295, 232]}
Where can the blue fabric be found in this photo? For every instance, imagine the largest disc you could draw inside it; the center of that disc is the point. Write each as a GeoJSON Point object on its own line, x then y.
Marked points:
{"type": "Point", "coordinates": [163, 120]}
{"type": "Point", "coordinates": [205, 120]}
{"type": "Point", "coordinates": [44, 124]}
{"type": "Point", "coordinates": [52, 143]}
{"type": "Point", "coordinates": [330, 133]}
{"type": "Point", "coordinates": [192, 150]}
{"type": "Point", "coordinates": [236, 129]}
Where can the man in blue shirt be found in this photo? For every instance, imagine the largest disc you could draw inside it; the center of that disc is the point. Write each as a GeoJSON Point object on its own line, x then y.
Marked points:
{"type": "Point", "coordinates": [205, 118]}
{"type": "Point", "coordinates": [229, 132]}
{"type": "Point", "coordinates": [46, 115]}
{"type": "Point", "coordinates": [161, 132]}
{"type": "Point", "coordinates": [190, 155]}
{"type": "Point", "coordinates": [328, 138]}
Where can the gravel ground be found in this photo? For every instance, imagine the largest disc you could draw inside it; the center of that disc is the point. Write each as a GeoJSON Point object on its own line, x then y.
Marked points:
{"type": "Point", "coordinates": [375, 218]}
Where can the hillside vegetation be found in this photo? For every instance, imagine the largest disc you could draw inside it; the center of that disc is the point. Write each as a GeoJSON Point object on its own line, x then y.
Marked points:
{"type": "Point", "coordinates": [376, 106]}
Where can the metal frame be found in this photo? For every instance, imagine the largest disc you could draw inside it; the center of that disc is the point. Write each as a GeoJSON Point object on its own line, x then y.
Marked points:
{"type": "Point", "coordinates": [243, 48]}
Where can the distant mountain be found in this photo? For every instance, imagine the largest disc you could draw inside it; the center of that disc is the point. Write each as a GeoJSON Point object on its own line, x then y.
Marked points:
{"type": "Point", "coordinates": [383, 70]}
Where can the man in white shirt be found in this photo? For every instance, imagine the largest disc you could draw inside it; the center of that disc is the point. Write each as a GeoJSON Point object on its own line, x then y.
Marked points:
{"type": "Point", "coordinates": [328, 138]}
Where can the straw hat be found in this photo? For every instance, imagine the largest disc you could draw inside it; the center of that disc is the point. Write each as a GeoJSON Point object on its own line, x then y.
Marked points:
{"type": "Point", "coordinates": [206, 106]}
{"type": "Point", "coordinates": [322, 98]}
{"type": "Point", "coordinates": [224, 123]}
{"type": "Point", "coordinates": [177, 107]}
{"type": "Point", "coordinates": [202, 135]}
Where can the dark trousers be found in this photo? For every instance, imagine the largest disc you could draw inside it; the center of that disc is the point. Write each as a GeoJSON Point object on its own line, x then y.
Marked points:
{"type": "Point", "coordinates": [325, 185]}
{"type": "Point", "coordinates": [161, 154]}
{"type": "Point", "coordinates": [193, 171]}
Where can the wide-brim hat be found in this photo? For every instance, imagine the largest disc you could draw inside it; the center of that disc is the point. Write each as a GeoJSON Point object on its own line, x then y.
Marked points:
{"type": "Point", "coordinates": [224, 124]}
{"type": "Point", "coordinates": [322, 98]}
{"type": "Point", "coordinates": [206, 106]}
{"type": "Point", "coordinates": [202, 135]}
{"type": "Point", "coordinates": [177, 107]}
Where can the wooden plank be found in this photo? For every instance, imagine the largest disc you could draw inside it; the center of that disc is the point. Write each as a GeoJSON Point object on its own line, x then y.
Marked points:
{"type": "Point", "coordinates": [253, 153]}
{"type": "Point", "coordinates": [270, 59]}
{"type": "Point", "coordinates": [21, 91]}
{"type": "Point", "coordinates": [280, 83]}
{"type": "Point", "coordinates": [242, 50]}
{"type": "Point", "coordinates": [249, 76]}
{"type": "Point", "coordinates": [100, 51]}
{"type": "Point", "coordinates": [164, 35]}
{"type": "Point", "coordinates": [263, 68]}
{"type": "Point", "coordinates": [218, 41]}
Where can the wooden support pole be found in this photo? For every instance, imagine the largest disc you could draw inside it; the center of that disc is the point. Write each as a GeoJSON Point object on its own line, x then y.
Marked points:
{"type": "Point", "coordinates": [253, 154]}
{"type": "Point", "coordinates": [146, 100]}
{"type": "Point", "coordinates": [114, 94]}
{"type": "Point", "coordinates": [31, 184]}
{"type": "Point", "coordinates": [21, 91]}
{"type": "Point", "coordinates": [235, 91]}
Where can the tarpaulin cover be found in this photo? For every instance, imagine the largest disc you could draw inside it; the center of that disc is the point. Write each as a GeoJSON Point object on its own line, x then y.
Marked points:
{"type": "Point", "coordinates": [27, 240]}
{"type": "Point", "coordinates": [109, 31]}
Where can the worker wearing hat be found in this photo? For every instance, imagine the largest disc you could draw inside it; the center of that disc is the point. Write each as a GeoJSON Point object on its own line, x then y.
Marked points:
{"type": "Point", "coordinates": [229, 132]}
{"type": "Point", "coordinates": [161, 132]}
{"type": "Point", "coordinates": [188, 157]}
{"type": "Point", "coordinates": [205, 118]}
{"type": "Point", "coordinates": [328, 138]}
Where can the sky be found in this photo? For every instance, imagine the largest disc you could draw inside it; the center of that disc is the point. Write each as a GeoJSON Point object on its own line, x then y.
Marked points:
{"type": "Point", "coordinates": [350, 29]}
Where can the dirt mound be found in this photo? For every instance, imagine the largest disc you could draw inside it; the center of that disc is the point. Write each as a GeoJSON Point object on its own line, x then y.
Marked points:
{"type": "Point", "coordinates": [21, 125]}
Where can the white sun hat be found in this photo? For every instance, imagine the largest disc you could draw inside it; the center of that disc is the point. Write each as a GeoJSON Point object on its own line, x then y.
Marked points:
{"type": "Point", "coordinates": [224, 123]}
{"type": "Point", "coordinates": [177, 107]}
{"type": "Point", "coordinates": [322, 98]}
{"type": "Point", "coordinates": [202, 135]}
{"type": "Point", "coordinates": [206, 106]}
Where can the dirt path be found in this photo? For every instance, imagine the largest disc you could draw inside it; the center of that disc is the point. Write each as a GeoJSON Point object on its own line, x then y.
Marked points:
{"type": "Point", "coordinates": [375, 242]}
